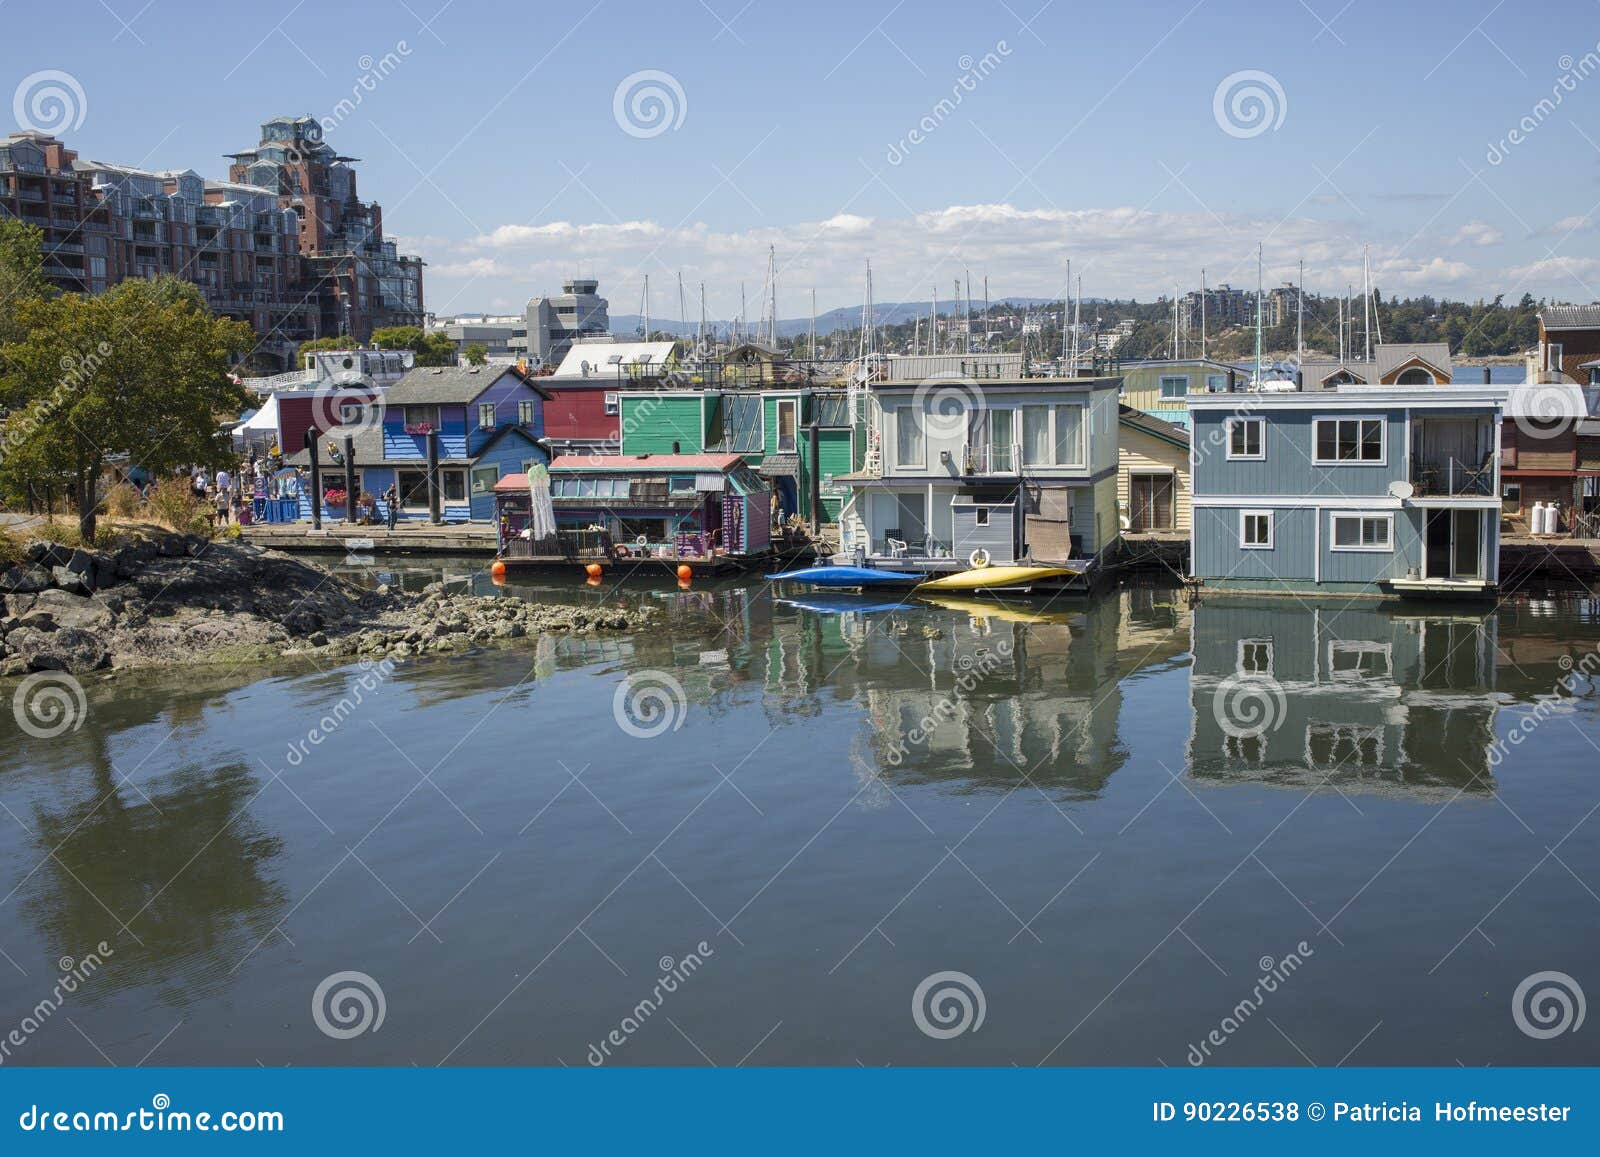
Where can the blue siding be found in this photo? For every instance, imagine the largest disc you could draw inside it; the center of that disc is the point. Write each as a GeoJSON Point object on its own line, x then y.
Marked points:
{"type": "Point", "coordinates": [508, 455]}
{"type": "Point", "coordinates": [1289, 468]}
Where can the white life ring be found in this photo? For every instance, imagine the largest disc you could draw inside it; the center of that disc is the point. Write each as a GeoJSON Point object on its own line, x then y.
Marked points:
{"type": "Point", "coordinates": [978, 558]}
{"type": "Point", "coordinates": [641, 541]}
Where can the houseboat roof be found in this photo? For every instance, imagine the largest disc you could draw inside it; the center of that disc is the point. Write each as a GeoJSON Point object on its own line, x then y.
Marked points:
{"type": "Point", "coordinates": [589, 359]}
{"type": "Point", "coordinates": [432, 385]}
{"type": "Point", "coordinates": [616, 462]}
{"type": "Point", "coordinates": [1451, 397]}
{"type": "Point", "coordinates": [1007, 383]}
{"type": "Point", "coordinates": [1570, 316]}
{"type": "Point", "coordinates": [1148, 423]}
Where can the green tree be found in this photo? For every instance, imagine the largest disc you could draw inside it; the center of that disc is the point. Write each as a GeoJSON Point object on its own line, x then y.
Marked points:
{"type": "Point", "coordinates": [325, 343]}
{"type": "Point", "coordinates": [22, 276]}
{"type": "Point", "coordinates": [432, 349]}
{"type": "Point", "coordinates": [476, 353]}
{"type": "Point", "coordinates": [138, 374]}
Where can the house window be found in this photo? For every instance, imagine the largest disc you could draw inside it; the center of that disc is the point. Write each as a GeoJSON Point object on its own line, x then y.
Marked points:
{"type": "Point", "coordinates": [486, 416]}
{"type": "Point", "coordinates": [681, 484]}
{"type": "Point", "coordinates": [980, 516]}
{"type": "Point", "coordinates": [612, 402]}
{"type": "Point", "coordinates": [1415, 376]}
{"type": "Point", "coordinates": [1069, 435]}
{"type": "Point", "coordinates": [1246, 438]}
{"type": "Point", "coordinates": [1216, 383]}
{"type": "Point", "coordinates": [1036, 446]}
{"type": "Point", "coordinates": [1363, 532]}
{"type": "Point", "coordinates": [350, 413]}
{"type": "Point", "coordinates": [483, 479]}
{"type": "Point", "coordinates": [786, 424]}
{"type": "Point", "coordinates": [1175, 386]}
{"type": "Point", "coordinates": [1255, 657]}
{"type": "Point", "coordinates": [1255, 529]}
{"type": "Point", "coordinates": [524, 413]}
{"type": "Point", "coordinates": [422, 418]}
{"type": "Point", "coordinates": [1348, 440]}
{"type": "Point", "coordinates": [414, 487]}
{"type": "Point", "coordinates": [909, 449]}
{"type": "Point", "coordinates": [1511, 498]}
{"type": "Point", "coordinates": [1552, 357]}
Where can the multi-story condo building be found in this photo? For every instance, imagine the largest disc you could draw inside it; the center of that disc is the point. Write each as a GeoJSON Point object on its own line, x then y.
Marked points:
{"type": "Point", "coordinates": [284, 244]}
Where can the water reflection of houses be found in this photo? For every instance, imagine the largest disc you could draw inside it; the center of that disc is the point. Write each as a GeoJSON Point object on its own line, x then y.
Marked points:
{"type": "Point", "coordinates": [1302, 694]}
{"type": "Point", "coordinates": [979, 693]}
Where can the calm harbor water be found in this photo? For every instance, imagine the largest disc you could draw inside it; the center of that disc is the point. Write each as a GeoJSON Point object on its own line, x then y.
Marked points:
{"type": "Point", "coordinates": [760, 832]}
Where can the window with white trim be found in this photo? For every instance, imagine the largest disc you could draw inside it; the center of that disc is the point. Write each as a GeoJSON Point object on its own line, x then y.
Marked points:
{"type": "Point", "coordinates": [524, 413]}
{"type": "Point", "coordinates": [1216, 383]}
{"type": "Point", "coordinates": [909, 448]}
{"type": "Point", "coordinates": [1355, 531]}
{"type": "Point", "coordinates": [1255, 657]}
{"type": "Point", "coordinates": [1247, 438]}
{"type": "Point", "coordinates": [1175, 385]}
{"type": "Point", "coordinates": [1255, 529]}
{"type": "Point", "coordinates": [612, 401]}
{"type": "Point", "coordinates": [486, 415]}
{"type": "Point", "coordinates": [1345, 441]}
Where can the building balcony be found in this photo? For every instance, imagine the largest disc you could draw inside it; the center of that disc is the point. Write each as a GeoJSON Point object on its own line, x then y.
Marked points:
{"type": "Point", "coordinates": [991, 459]}
{"type": "Point", "coordinates": [1453, 457]}
{"type": "Point", "coordinates": [1453, 478]}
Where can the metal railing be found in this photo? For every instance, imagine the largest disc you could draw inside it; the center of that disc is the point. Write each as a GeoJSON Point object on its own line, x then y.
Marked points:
{"type": "Point", "coordinates": [1451, 477]}
{"type": "Point", "coordinates": [888, 546]}
{"type": "Point", "coordinates": [991, 459]}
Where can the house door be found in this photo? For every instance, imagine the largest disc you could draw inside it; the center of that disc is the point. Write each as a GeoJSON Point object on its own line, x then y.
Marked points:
{"type": "Point", "coordinates": [1150, 502]}
{"type": "Point", "coordinates": [1454, 544]}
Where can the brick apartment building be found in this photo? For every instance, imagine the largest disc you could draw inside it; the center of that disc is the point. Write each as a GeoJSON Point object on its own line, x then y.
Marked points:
{"type": "Point", "coordinates": [284, 243]}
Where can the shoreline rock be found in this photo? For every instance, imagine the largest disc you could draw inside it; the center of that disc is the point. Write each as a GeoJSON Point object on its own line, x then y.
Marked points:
{"type": "Point", "coordinates": [170, 600]}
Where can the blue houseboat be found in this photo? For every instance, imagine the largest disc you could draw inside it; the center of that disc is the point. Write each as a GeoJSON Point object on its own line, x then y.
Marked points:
{"type": "Point", "coordinates": [487, 420]}
{"type": "Point", "coordinates": [1383, 490]}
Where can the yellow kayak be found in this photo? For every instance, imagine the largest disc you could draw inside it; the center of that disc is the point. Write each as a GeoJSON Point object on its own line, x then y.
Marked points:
{"type": "Point", "coordinates": [988, 578]}
{"type": "Point", "coordinates": [1000, 612]}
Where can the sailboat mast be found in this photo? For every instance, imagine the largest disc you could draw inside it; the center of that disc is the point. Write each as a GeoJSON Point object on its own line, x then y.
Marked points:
{"type": "Point", "coordinates": [1300, 314]}
{"type": "Point", "coordinates": [1258, 313]}
{"type": "Point", "coordinates": [1066, 316]}
{"type": "Point", "coordinates": [1366, 302]}
{"type": "Point", "coordinates": [1202, 313]}
{"type": "Point", "coordinates": [986, 313]}
{"type": "Point", "coordinates": [646, 307]}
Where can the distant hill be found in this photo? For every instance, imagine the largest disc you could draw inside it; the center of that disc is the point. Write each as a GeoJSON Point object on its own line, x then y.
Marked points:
{"type": "Point", "coordinates": [843, 318]}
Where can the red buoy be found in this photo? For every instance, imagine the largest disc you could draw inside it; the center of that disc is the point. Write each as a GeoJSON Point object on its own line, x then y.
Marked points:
{"type": "Point", "coordinates": [685, 572]}
{"type": "Point", "coordinates": [498, 571]}
{"type": "Point", "coordinates": [594, 570]}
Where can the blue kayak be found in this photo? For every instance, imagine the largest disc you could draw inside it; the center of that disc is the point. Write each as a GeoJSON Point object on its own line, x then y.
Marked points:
{"type": "Point", "coordinates": [839, 604]}
{"type": "Point", "coordinates": [846, 576]}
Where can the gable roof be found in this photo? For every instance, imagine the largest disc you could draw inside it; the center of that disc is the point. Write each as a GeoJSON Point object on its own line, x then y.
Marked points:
{"type": "Point", "coordinates": [614, 462]}
{"type": "Point", "coordinates": [1390, 356]}
{"type": "Point", "coordinates": [434, 385]}
{"type": "Point", "coordinates": [1147, 423]}
{"type": "Point", "coordinates": [1570, 317]}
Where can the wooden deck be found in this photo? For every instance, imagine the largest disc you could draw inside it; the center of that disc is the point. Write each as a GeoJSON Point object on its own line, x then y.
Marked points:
{"type": "Point", "coordinates": [468, 538]}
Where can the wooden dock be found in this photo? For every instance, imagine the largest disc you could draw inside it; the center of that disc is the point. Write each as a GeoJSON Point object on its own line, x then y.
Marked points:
{"type": "Point", "coordinates": [466, 538]}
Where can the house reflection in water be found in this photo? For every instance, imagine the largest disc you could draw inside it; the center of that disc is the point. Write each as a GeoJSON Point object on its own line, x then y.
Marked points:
{"type": "Point", "coordinates": [982, 694]}
{"type": "Point", "coordinates": [1372, 697]}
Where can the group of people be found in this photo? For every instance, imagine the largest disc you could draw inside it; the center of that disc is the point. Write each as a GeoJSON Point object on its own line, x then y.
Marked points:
{"type": "Point", "coordinates": [229, 494]}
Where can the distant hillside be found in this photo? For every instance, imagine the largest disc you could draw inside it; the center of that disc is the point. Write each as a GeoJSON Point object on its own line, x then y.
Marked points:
{"type": "Point", "coordinates": [843, 318]}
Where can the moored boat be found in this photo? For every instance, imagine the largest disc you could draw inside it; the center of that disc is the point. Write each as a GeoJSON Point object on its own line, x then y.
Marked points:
{"type": "Point", "coordinates": [994, 578]}
{"type": "Point", "coordinates": [841, 577]}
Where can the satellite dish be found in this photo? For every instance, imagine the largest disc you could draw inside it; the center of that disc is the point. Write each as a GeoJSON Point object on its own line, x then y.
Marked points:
{"type": "Point", "coordinates": [1401, 489]}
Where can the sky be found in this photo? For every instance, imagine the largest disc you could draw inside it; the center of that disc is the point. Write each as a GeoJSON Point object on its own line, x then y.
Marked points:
{"type": "Point", "coordinates": [513, 145]}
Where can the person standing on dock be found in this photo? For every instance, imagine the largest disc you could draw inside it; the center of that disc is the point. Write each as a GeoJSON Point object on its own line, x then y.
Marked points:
{"type": "Point", "coordinates": [391, 504]}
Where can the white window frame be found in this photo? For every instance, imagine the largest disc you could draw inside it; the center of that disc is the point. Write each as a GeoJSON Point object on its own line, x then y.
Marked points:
{"type": "Point", "coordinates": [1272, 659]}
{"type": "Point", "coordinates": [1360, 516]}
{"type": "Point", "coordinates": [1553, 352]}
{"type": "Point", "coordinates": [900, 413]}
{"type": "Point", "coordinates": [1383, 440]}
{"type": "Point", "coordinates": [1359, 648]}
{"type": "Point", "coordinates": [1260, 455]}
{"type": "Point", "coordinates": [1085, 432]}
{"type": "Point", "coordinates": [1272, 529]}
{"type": "Point", "coordinates": [1161, 386]}
{"type": "Point", "coordinates": [525, 407]}
{"type": "Point", "coordinates": [1216, 383]}
{"type": "Point", "coordinates": [492, 412]}
{"type": "Point", "coordinates": [777, 416]}
{"type": "Point", "coordinates": [613, 402]}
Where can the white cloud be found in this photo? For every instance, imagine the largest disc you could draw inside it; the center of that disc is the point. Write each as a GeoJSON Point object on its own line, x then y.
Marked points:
{"type": "Point", "coordinates": [1119, 252]}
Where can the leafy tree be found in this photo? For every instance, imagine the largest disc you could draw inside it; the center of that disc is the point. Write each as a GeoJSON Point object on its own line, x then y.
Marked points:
{"type": "Point", "coordinates": [325, 343]}
{"type": "Point", "coordinates": [22, 276]}
{"type": "Point", "coordinates": [476, 353]}
{"type": "Point", "coordinates": [137, 374]}
{"type": "Point", "coordinates": [432, 349]}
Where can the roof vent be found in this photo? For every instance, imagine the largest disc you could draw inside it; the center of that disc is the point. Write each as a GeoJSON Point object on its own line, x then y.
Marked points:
{"type": "Point", "coordinates": [438, 371]}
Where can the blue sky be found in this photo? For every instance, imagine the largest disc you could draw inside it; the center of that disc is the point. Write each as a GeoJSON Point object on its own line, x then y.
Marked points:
{"type": "Point", "coordinates": [1090, 132]}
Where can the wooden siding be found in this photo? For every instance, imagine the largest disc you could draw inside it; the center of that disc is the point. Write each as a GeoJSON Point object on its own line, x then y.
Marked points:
{"type": "Point", "coordinates": [1139, 453]}
{"type": "Point", "coordinates": [1289, 467]}
{"type": "Point", "coordinates": [651, 423]}
{"type": "Point", "coordinates": [997, 539]}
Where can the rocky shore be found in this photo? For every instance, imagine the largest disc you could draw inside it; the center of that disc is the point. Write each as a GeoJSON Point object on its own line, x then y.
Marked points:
{"type": "Point", "coordinates": [162, 598]}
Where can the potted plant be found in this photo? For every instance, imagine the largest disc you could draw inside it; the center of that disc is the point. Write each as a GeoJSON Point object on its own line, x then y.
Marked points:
{"type": "Point", "coordinates": [333, 497]}
{"type": "Point", "coordinates": [367, 506]}
{"type": "Point", "coordinates": [419, 427]}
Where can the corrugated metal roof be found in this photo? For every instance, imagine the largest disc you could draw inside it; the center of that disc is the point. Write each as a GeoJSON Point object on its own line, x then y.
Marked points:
{"type": "Point", "coordinates": [1570, 316]}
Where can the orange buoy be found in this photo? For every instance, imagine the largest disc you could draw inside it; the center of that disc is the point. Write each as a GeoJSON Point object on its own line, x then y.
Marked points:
{"type": "Point", "coordinates": [686, 572]}
{"type": "Point", "coordinates": [592, 581]}
{"type": "Point", "coordinates": [594, 570]}
{"type": "Point", "coordinates": [498, 571]}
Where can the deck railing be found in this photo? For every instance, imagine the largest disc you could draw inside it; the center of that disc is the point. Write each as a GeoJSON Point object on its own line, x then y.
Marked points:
{"type": "Point", "coordinates": [1451, 477]}
{"type": "Point", "coordinates": [890, 546]}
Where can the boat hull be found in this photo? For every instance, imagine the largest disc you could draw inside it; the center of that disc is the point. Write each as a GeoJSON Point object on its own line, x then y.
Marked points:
{"type": "Point", "coordinates": [992, 578]}
{"type": "Point", "coordinates": [842, 577]}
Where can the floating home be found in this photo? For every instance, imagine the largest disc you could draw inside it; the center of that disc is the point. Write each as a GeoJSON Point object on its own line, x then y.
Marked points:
{"type": "Point", "coordinates": [1382, 490]}
{"type": "Point", "coordinates": [1022, 469]}
{"type": "Point", "coordinates": [1153, 483]}
{"type": "Point", "coordinates": [770, 428]}
{"type": "Point", "coordinates": [1162, 386]}
{"type": "Point", "coordinates": [482, 422]}
{"type": "Point", "coordinates": [697, 508]}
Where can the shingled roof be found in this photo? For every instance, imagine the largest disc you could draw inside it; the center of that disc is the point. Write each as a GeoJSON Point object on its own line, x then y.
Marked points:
{"type": "Point", "coordinates": [1570, 316]}
{"type": "Point", "coordinates": [443, 385]}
